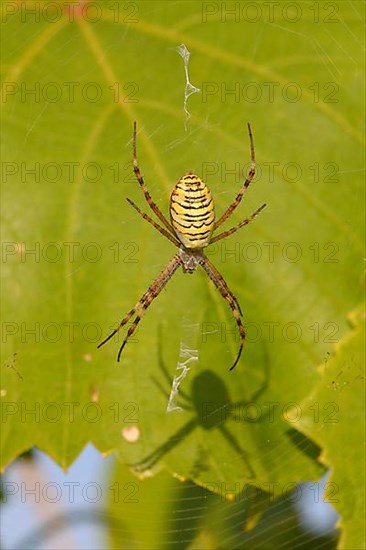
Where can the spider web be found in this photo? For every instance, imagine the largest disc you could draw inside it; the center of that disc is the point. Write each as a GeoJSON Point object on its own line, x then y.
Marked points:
{"type": "Point", "coordinates": [188, 357]}
{"type": "Point", "coordinates": [189, 87]}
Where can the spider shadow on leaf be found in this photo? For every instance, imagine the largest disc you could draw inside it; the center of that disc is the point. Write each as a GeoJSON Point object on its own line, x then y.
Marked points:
{"type": "Point", "coordinates": [212, 408]}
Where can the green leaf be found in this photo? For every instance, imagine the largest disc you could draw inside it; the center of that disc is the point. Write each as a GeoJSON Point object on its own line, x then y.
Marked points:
{"type": "Point", "coordinates": [76, 257]}
{"type": "Point", "coordinates": [337, 424]}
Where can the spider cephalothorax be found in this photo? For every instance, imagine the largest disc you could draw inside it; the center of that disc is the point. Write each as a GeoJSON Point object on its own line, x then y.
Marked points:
{"type": "Point", "coordinates": [191, 227]}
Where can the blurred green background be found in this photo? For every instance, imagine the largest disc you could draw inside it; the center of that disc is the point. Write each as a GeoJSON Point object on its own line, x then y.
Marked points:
{"type": "Point", "coordinates": [76, 257]}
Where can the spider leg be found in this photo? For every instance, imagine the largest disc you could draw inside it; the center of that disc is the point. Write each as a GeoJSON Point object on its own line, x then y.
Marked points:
{"type": "Point", "coordinates": [218, 276]}
{"type": "Point", "coordinates": [152, 292]}
{"type": "Point", "coordinates": [225, 234]}
{"type": "Point", "coordinates": [244, 187]}
{"type": "Point", "coordinates": [222, 287]}
{"type": "Point", "coordinates": [154, 207]}
{"type": "Point", "coordinates": [156, 225]}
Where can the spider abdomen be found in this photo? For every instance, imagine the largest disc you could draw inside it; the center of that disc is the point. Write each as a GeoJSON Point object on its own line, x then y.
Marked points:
{"type": "Point", "coordinates": [192, 212]}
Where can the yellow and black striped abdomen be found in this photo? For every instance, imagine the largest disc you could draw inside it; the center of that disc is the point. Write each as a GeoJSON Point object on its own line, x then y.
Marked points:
{"type": "Point", "coordinates": [192, 212]}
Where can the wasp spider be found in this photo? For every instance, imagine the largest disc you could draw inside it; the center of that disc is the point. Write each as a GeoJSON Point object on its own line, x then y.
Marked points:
{"type": "Point", "coordinates": [191, 227]}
